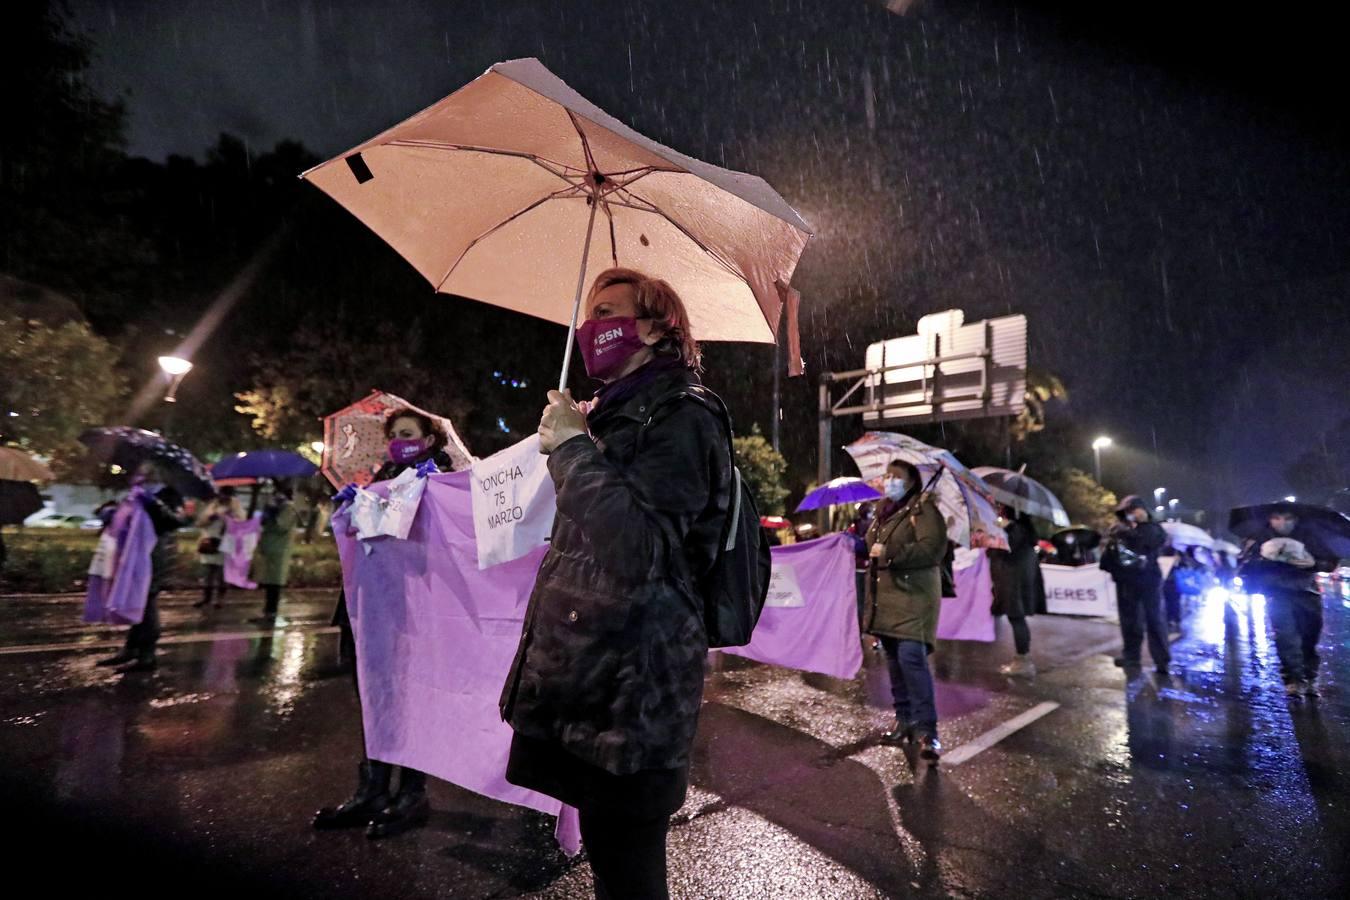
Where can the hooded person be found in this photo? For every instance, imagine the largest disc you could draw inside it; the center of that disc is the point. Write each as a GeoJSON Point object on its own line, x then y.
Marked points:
{"type": "Point", "coordinates": [1131, 558]}
{"type": "Point", "coordinates": [1281, 563]}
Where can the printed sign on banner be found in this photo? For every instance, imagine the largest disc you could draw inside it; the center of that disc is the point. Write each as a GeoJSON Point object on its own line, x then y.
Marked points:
{"type": "Point", "coordinates": [513, 503]}
{"type": "Point", "coordinates": [784, 591]}
{"type": "Point", "coordinates": [1079, 591]}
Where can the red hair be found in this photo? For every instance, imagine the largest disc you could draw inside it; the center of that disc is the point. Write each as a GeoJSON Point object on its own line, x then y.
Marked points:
{"type": "Point", "coordinates": [656, 300]}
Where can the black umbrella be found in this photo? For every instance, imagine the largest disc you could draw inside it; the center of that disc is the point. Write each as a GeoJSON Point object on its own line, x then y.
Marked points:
{"type": "Point", "coordinates": [18, 501]}
{"type": "Point", "coordinates": [129, 447]}
{"type": "Point", "coordinates": [1326, 525]}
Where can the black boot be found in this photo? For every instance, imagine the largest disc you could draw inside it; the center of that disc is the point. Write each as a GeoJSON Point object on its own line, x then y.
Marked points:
{"type": "Point", "coordinates": [143, 663]}
{"type": "Point", "coordinates": [207, 596]}
{"type": "Point", "coordinates": [372, 795]}
{"type": "Point", "coordinates": [410, 809]}
{"type": "Point", "coordinates": [897, 735]}
{"type": "Point", "coordinates": [125, 656]}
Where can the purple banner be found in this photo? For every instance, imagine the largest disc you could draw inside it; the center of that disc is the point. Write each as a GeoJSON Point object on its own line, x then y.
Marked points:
{"type": "Point", "coordinates": [810, 621]}
{"type": "Point", "coordinates": [119, 573]}
{"type": "Point", "coordinates": [435, 638]}
{"type": "Point", "coordinates": [242, 540]}
{"type": "Point", "coordinates": [966, 617]}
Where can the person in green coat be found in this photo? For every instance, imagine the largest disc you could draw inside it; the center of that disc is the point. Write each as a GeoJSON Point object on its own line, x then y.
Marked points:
{"type": "Point", "coordinates": [272, 560]}
{"type": "Point", "coordinates": [907, 541]}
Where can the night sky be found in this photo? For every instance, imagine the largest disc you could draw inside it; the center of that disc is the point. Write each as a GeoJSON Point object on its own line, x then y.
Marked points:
{"type": "Point", "coordinates": [1164, 198]}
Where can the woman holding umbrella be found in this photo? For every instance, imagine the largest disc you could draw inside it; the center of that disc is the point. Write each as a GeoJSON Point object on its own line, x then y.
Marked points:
{"type": "Point", "coordinates": [907, 542]}
{"type": "Point", "coordinates": [414, 438]}
{"type": "Point", "coordinates": [605, 691]}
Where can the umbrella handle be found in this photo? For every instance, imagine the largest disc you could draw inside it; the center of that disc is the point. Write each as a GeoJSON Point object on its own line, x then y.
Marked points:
{"type": "Point", "coordinates": [576, 303]}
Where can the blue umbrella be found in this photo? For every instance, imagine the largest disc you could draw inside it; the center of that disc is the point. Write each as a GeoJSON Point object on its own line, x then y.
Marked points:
{"type": "Point", "coordinates": [264, 464]}
{"type": "Point", "coordinates": [840, 490]}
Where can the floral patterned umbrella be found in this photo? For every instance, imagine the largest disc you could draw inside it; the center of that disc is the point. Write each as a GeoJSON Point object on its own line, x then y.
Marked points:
{"type": "Point", "coordinates": [354, 445]}
{"type": "Point", "coordinates": [963, 499]}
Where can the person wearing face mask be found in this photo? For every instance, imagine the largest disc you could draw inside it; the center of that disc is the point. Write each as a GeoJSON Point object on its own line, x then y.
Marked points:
{"type": "Point", "coordinates": [604, 693]}
{"type": "Point", "coordinates": [907, 542]}
{"type": "Point", "coordinates": [414, 437]}
{"type": "Point", "coordinates": [1281, 563]}
{"type": "Point", "coordinates": [1131, 557]}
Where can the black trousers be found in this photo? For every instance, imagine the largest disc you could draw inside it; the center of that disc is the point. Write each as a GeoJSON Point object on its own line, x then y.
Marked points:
{"type": "Point", "coordinates": [1021, 635]}
{"type": "Point", "coordinates": [144, 635]}
{"type": "Point", "coordinates": [271, 599]}
{"type": "Point", "coordinates": [213, 581]}
{"type": "Point", "coordinates": [628, 858]}
{"type": "Point", "coordinates": [1296, 619]}
{"type": "Point", "coordinates": [1140, 604]}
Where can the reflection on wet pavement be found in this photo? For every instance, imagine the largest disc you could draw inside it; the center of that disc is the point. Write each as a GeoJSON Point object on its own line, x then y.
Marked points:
{"type": "Point", "coordinates": [1207, 783]}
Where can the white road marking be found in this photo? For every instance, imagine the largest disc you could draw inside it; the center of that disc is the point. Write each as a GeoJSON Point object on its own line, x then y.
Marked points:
{"type": "Point", "coordinates": [997, 733]}
{"type": "Point", "coordinates": [193, 638]}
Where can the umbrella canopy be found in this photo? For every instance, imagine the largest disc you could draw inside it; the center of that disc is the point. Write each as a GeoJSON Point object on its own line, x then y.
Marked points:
{"type": "Point", "coordinates": [493, 193]}
{"type": "Point", "coordinates": [963, 499]}
{"type": "Point", "coordinates": [129, 447]}
{"type": "Point", "coordinates": [1329, 526]}
{"type": "Point", "coordinates": [15, 465]}
{"type": "Point", "coordinates": [840, 490]}
{"type": "Point", "coordinates": [1078, 535]}
{"type": "Point", "coordinates": [263, 464]}
{"type": "Point", "coordinates": [1181, 535]}
{"type": "Point", "coordinates": [1023, 494]}
{"type": "Point", "coordinates": [18, 501]}
{"type": "Point", "coordinates": [354, 445]}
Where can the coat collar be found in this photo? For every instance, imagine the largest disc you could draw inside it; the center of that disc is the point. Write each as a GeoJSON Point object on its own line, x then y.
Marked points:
{"type": "Point", "coordinates": [639, 406]}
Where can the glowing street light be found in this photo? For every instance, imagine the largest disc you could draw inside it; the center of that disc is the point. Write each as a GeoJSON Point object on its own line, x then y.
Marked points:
{"type": "Point", "coordinates": [316, 446]}
{"type": "Point", "coordinates": [1291, 499]}
{"type": "Point", "coordinates": [1098, 445]}
{"type": "Point", "coordinates": [1158, 494]}
{"type": "Point", "coordinates": [174, 367]}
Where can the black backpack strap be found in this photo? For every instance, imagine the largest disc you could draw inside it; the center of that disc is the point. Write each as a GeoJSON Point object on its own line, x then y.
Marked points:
{"type": "Point", "coordinates": [713, 403]}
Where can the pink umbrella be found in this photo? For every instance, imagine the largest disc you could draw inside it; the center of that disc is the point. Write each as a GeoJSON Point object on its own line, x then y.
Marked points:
{"type": "Point", "coordinates": [354, 445]}
{"type": "Point", "coordinates": [494, 192]}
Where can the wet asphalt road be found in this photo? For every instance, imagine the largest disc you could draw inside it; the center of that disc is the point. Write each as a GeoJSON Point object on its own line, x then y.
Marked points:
{"type": "Point", "coordinates": [199, 779]}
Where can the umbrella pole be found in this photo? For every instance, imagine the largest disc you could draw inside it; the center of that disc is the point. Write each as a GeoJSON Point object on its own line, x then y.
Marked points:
{"type": "Point", "coordinates": [576, 303]}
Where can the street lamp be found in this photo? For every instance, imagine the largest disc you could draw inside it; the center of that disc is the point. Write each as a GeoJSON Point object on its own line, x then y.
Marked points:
{"type": "Point", "coordinates": [1291, 499]}
{"type": "Point", "coordinates": [1097, 446]}
{"type": "Point", "coordinates": [316, 446]}
{"type": "Point", "coordinates": [174, 367]}
{"type": "Point", "coordinates": [1158, 493]}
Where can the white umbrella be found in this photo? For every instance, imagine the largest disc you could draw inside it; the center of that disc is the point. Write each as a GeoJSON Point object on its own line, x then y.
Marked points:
{"type": "Point", "coordinates": [1181, 535]}
{"type": "Point", "coordinates": [962, 498]}
{"type": "Point", "coordinates": [494, 193]}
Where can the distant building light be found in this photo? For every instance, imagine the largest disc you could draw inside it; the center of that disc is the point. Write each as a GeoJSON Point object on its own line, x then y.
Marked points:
{"type": "Point", "coordinates": [116, 469]}
{"type": "Point", "coordinates": [501, 424]}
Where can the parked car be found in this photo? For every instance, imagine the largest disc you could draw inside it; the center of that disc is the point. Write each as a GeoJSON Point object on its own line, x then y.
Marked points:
{"type": "Point", "coordinates": [47, 518]}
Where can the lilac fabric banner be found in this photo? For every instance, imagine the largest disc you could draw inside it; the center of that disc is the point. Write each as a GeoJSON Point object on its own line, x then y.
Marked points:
{"type": "Point", "coordinates": [966, 617]}
{"type": "Point", "coordinates": [810, 620]}
{"type": "Point", "coordinates": [435, 638]}
{"type": "Point", "coordinates": [119, 579]}
{"type": "Point", "coordinates": [242, 540]}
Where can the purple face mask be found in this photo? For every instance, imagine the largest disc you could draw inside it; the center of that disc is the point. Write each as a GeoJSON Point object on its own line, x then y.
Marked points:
{"type": "Point", "coordinates": [406, 450]}
{"type": "Point", "coordinates": [607, 344]}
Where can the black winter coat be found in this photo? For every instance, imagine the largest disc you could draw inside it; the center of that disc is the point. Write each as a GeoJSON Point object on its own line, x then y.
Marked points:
{"type": "Point", "coordinates": [1015, 573]}
{"type": "Point", "coordinates": [611, 658]}
{"type": "Point", "coordinates": [1145, 539]}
